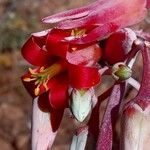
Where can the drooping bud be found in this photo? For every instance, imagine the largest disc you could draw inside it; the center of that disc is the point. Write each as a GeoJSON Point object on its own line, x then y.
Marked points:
{"type": "Point", "coordinates": [118, 45]}
{"type": "Point", "coordinates": [121, 72]}
{"type": "Point", "coordinates": [81, 103]}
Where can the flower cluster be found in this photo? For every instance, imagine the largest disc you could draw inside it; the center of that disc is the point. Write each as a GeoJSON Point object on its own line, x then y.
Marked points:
{"type": "Point", "coordinates": [86, 44]}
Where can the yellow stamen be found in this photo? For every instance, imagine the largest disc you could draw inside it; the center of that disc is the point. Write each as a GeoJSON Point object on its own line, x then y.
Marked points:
{"type": "Point", "coordinates": [31, 71]}
{"type": "Point", "coordinates": [37, 82]}
{"type": "Point", "coordinates": [27, 79]}
{"type": "Point", "coordinates": [37, 91]}
{"type": "Point", "coordinates": [41, 69]}
{"type": "Point", "coordinates": [78, 32]}
{"type": "Point", "coordinates": [45, 85]}
{"type": "Point", "coordinates": [74, 48]}
{"type": "Point", "coordinates": [43, 76]}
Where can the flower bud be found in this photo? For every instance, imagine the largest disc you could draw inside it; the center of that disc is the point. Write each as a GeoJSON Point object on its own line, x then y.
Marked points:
{"type": "Point", "coordinates": [118, 45]}
{"type": "Point", "coordinates": [81, 103]}
{"type": "Point", "coordinates": [121, 72]}
{"type": "Point", "coordinates": [135, 128]}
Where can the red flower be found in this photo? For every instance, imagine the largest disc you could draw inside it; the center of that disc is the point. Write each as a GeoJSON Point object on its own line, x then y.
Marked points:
{"type": "Point", "coordinates": [67, 57]}
{"type": "Point", "coordinates": [59, 66]}
{"type": "Point", "coordinates": [104, 16]}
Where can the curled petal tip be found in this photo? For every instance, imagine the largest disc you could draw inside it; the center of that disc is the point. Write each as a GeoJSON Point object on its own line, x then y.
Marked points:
{"type": "Point", "coordinates": [70, 14]}
{"type": "Point", "coordinates": [41, 33]}
{"type": "Point", "coordinates": [56, 19]}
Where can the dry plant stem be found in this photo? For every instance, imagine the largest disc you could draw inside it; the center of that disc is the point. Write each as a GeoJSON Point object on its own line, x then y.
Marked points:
{"type": "Point", "coordinates": [42, 135]}
{"type": "Point", "coordinates": [134, 83]}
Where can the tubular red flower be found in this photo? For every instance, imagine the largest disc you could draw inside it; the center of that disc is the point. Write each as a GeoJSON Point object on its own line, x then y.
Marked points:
{"type": "Point", "coordinates": [106, 15]}
{"type": "Point", "coordinates": [58, 65]}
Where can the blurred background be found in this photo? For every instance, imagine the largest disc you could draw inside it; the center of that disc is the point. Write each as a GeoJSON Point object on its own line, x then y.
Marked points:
{"type": "Point", "coordinates": [18, 19]}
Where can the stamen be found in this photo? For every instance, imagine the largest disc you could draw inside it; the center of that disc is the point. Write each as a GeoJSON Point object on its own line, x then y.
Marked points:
{"type": "Point", "coordinates": [37, 82]}
{"type": "Point", "coordinates": [44, 75]}
{"type": "Point", "coordinates": [45, 85]}
{"type": "Point", "coordinates": [41, 69]}
{"type": "Point", "coordinates": [31, 71]}
{"type": "Point", "coordinates": [37, 91]}
{"type": "Point", "coordinates": [77, 33]}
{"type": "Point", "coordinates": [29, 79]}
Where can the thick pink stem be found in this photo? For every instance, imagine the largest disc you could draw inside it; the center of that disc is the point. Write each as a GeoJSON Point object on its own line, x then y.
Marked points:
{"type": "Point", "coordinates": [105, 138]}
{"type": "Point", "coordinates": [42, 134]}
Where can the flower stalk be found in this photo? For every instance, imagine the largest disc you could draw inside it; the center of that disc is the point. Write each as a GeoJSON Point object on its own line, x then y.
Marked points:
{"type": "Point", "coordinates": [135, 119]}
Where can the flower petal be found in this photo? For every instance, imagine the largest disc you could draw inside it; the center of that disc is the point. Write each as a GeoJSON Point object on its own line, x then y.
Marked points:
{"type": "Point", "coordinates": [97, 34]}
{"type": "Point", "coordinates": [86, 56]}
{"type": "Point", "coordinates": [29, 86]}
{"type": "Point", "coordinates": [43, 102]}
{"type": "Point", "coordinates": [70, 14]}
{"type": "Point", "coordinates": [82, 76]}
{"type": "Point", "coordinates": [108, 12]}
{"type": "Point", "coordinates": [56, 117]}
{"type": "Point", "coordinates": [33, 51]}
{"type": "Point", "coordinates": [101, 15]}
{"type": "Point", "coordinates": [103, 31]}
{"type": "Point", "coordinates": [57, 85]}
{"type": "Point", "coordinates": [54, 45]}
{"type": "Point", "coordinates": [78, 12]}
{"type": "Point", "coordinates": [58, 96]}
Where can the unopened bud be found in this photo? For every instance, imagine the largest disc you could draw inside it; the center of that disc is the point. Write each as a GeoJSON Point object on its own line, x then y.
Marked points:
{"type": "Point", "coordinates": [81, 104]}
{"type": "Point", "coordinates": [121, 72]}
